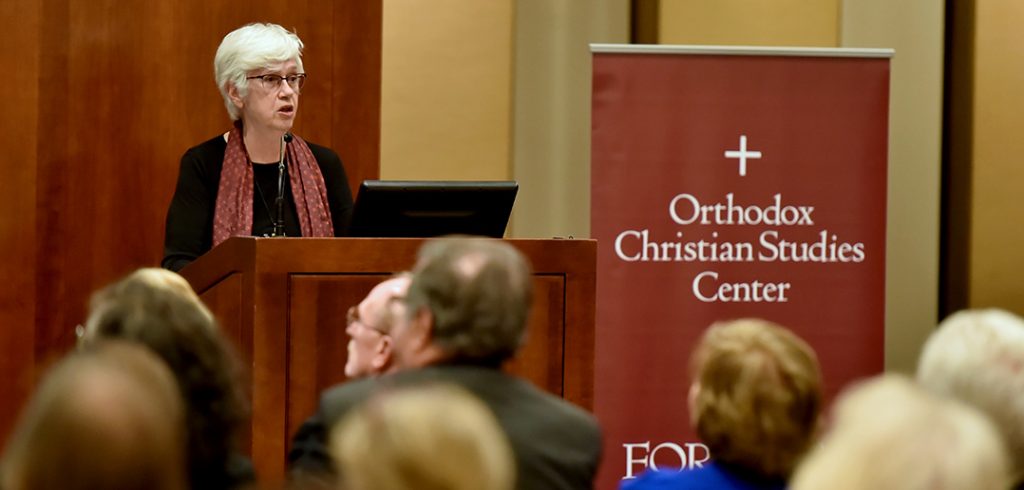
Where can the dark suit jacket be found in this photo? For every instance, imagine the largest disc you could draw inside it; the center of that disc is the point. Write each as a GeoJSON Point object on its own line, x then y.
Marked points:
{"type": "Point", "coordinates": [557, 445]}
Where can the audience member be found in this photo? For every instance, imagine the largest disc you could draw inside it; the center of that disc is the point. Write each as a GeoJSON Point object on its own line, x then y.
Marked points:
{"type": "Point", "coordinates": [754, 401]}
{"type": "Point", "coordinates": [158, 309]}
{"type": "Point", "coordinates": [465, 314]}
{"type": "Point", "coordinates": [977, 357]}
{"type": "Point", "coordinates": [369, 328]}
{"type": "Point", "coordinates": [107, 418]}
{"type": "Point", "coordinates": [422, 438]}
{"type": "Point", "coordinates": [888, 433]}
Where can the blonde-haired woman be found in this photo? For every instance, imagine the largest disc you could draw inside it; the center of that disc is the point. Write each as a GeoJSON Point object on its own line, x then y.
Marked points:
{"type": "Point", "coordinates": [157, 309]}
{"type": "Point", "coordinates": [436, 437]}
{"type": "Point", "coordinates": [755, 400]}
{"type": "Point", "coordinates": [888, 433]}
{"type": "Point", "coordinates": [107, 417]}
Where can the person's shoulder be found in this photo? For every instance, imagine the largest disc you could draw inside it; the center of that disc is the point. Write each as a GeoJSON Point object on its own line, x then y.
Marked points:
{"type": "Point", "coordinates": [668, 478]}
{"type": "Point", "coordinates": [497, 387]}
{"type": "Point", "coordinates": [337, 401]}
{"type": "Point", "coordinates": [239, 471]}
{"type": "Point", "coordinates": [657, 480]}
{"type": "Point", "coordinates": [207, 157]}
{"type": "Point", "coordinates": [323, 154]}
{"type": "Point", "coordinates": [212, 147]}
{"type": "Point", "coordinates": [556, 404]}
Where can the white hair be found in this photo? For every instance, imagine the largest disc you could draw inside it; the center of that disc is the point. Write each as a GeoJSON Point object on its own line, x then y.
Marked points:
{"type": "Point", "coordinates": [977, 356]}
{"type": "Point", "coordinates": [890, 433]}
{"type": "Point", "coordinates": [248, 48]}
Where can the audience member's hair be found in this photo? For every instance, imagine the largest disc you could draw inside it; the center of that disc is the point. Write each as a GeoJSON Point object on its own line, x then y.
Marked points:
{"type": "Point", "coordinates": [978, 357]}
{"type": "Point", "coordinates": [756, 396]}
{"type": "Point", "coordinates": [158, 309]}
{"type": "Point", "coordinates": [436, 437]}
{"type": "Point", "coordinates": [889, 433]}
{"type": "Point", "coordinates": [109, 417]}
{"type": "Point", "coordinates": [479, 292]}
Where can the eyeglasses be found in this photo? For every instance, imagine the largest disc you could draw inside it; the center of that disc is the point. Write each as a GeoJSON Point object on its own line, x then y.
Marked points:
{"type": "Point", "coordinates": [353, 317]}
{"type": "Point", "coordinates": [272, 81]}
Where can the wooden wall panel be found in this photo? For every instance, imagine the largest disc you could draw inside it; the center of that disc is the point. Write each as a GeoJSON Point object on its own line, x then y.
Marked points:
{"type": "Point", "coordinates": [541, 359]}
{"type": "Point", "coordinates": [226, 300]}
{"type": "Point", "coordinates": [749, 22]}
{"type": "Point", "coordinates": [446, 110]}
{"type": "Point", "coordinates": [19, 26]}
{"type": "Point", "coordinates": [111, 96]}
{"type": "Point", "coordinates": [996, 174]}
{"type": "Point", "coordinates": [52, 135]}
{"type": "Point", "coordinates": [319, 305]}
{"type": "Point", "coordinates": [355, 91]}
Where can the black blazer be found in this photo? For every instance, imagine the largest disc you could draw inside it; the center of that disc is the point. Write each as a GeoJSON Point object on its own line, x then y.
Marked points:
{"type": "Point", "coordinates": [556, 444]}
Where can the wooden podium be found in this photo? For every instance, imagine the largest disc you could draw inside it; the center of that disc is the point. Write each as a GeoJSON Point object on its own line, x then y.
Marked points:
{"type": "Point", "coordinates": [283, 301]}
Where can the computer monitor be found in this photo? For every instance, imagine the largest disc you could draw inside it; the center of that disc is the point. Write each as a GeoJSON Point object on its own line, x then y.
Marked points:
{"type": "Point", "coordinates": [420, 209]}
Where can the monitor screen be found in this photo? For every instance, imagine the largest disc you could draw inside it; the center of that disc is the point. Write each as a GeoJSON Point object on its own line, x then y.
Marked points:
{"type": "Point", "coordinates": [420, 209]}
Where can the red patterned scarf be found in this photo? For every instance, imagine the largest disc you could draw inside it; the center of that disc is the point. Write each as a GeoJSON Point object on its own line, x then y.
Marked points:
{"type": "Point", "coordinates": [233, 213]}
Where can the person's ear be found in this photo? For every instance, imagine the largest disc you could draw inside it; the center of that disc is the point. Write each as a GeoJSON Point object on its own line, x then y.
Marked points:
{"type": "Point", "coordinates": [691, 402]}
{"type": "Point", "coordinates": [235, 96]}
{"type": "Point", "coordinates": [382, 354]}
{"type": "Point", "coordinates": [385, 344]}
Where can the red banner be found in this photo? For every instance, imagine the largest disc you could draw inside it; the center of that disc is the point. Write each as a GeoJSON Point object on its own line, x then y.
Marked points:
{"type": "Point", "coordinates": [730, 183]}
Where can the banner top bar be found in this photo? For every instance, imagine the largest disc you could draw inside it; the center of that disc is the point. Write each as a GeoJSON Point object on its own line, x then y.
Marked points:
{"type": "Point", "coordinates": [742, 50]}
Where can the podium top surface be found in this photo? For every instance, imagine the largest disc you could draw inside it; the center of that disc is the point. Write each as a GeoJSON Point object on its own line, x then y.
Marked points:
{"type": "Point", "coordinates": [364, 256]}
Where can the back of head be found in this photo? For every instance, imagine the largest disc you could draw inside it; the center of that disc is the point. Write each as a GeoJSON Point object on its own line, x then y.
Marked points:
{"type": "Point", "coordinates": [158, 309]}
{"type": "Point", "coordinates": [889, 433]}
{"type": "Point", "coordinates": [435, 437]}
{"type": "Point", "coordinates": [756, 396]}
{"type": "Point", "coordinates": [977, 356]}
{"type": "Point", "coordinates": [479, 293]}
{"type": "Point", "coordinates": [106, 418]}
{"type": "Point", "coordinates": [154, 306]}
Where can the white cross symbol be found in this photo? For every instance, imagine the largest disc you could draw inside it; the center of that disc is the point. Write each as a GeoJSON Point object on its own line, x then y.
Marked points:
{"type": "Point", "coordinates": [742, 154]}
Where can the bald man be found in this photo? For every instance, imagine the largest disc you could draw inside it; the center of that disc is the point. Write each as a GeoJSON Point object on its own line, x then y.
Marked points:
{"type": "Point", "coordinates": [369, 328]}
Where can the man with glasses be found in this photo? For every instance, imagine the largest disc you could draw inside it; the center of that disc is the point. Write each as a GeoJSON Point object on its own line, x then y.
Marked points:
{"type": "Point", "coordinates": [463, 317]}
{"type": "Point", "coordinates": [369, 328]}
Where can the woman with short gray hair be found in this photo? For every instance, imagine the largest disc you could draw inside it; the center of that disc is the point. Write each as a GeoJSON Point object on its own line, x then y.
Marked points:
{"type": "Point", "coordinates": [230, 185]}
